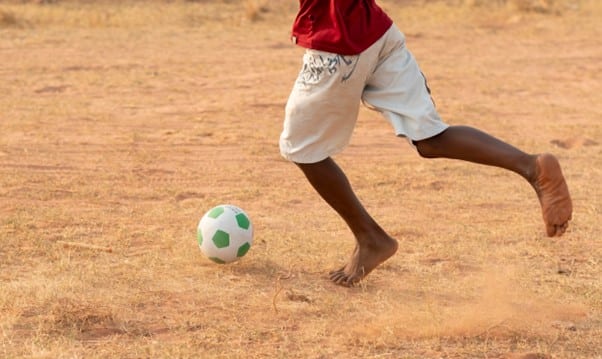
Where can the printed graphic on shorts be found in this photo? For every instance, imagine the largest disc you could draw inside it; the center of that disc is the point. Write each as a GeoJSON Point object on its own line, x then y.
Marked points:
{"type": "Point", "coordinates": [315, 67]}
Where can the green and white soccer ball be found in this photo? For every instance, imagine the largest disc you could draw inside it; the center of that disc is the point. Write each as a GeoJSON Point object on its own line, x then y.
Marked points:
{"type": "Point", "coordinates": [225, 234]}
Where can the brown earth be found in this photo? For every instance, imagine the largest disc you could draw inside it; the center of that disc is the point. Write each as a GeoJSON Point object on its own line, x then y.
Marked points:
{"type": "Point", "coordinates": [122, 123]}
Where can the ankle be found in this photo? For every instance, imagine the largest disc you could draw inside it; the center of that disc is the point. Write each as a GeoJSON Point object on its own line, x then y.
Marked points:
{"type": "Point", "coordinates": [376, 238]}
{"type": "Point", "coordinates": [529, 169]}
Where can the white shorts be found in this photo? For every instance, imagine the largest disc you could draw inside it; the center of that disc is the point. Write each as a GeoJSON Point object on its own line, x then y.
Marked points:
{"type": "Point", "coordinates": [323, 106]}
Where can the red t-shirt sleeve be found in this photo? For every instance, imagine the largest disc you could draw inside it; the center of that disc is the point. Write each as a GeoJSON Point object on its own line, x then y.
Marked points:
{"type": "Point", "coordinates": [345, 27]}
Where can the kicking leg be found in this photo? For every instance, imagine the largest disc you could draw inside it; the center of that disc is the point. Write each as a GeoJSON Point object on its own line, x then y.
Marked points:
{"type": "Point", "coordinates": [374, 245]}
{"type": "Point", "coordinates": [542, 171]}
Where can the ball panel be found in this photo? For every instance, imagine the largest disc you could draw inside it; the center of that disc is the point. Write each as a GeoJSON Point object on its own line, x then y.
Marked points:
{"type": "Point", "coordinates": [221, 239]}
{"type": "Point", "coordinates": [199, 236]}
{"type": "Point", "coordinates": [215, 212]}
{"type": "Point", "coordinates": [242, 250]}
{"type": "Point", "coordinates": [243, 221]}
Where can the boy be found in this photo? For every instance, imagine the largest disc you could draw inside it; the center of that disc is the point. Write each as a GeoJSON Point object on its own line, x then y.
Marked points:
{"type": "Point", "coordinates": [354, 53]}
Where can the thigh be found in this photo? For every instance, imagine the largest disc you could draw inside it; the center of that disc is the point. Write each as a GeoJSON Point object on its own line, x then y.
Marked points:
{"type": "Point", "coordinates": [322, 108]}
{"type": "Point", "coordinates": [398, 89]}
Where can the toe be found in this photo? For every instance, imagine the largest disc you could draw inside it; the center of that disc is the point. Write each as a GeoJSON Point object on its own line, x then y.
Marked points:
{"type": "Point", "coordinates": [353, 280]}
{"type": "Point", "coordinates": [556, 230]}
{"type": "Point", "coordinates": [561, 229]}
{"type": "Point", "coordinates": [337, 276]}
{"type": "Point", "coordinates": [342, 280]}
{"type": "Point", "coordinates": [551, 230]}
{"type": "Point", "coordinates": [340, 270]}
{"type": "Point", "coordinates": [348, 282]}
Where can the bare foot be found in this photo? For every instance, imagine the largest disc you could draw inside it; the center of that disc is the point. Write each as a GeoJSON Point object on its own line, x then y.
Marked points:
{"type": "Point", "coordinates": [553, 194]}
{"type": "Point", "coordinates": [363, 260]}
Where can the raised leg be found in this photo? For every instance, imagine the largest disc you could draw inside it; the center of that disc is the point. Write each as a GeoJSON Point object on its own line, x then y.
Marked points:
{"type": "Point", "coordinates": [542, 171]}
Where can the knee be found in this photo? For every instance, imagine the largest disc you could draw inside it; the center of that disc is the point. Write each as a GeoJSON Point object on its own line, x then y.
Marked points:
{"type": "Point", "coordinates": [426, 148]}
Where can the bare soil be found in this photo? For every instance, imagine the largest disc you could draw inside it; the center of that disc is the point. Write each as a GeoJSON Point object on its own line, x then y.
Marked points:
{"type": "Point", "coordinates": [122, 123]}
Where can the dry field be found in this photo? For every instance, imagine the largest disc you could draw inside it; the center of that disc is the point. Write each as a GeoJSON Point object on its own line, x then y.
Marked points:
{"type": "Point", "coordinates": [122, 123]}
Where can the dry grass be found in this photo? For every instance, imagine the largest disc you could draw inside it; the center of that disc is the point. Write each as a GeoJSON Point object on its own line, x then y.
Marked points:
{"type": "Point", "coordinates": [122, 123]}
{"type": "Point", "coordinates": [138, 14]}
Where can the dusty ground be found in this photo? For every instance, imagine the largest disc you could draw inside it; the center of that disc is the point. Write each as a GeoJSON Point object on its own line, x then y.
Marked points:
{"type": "Point", "coordinates": [120, 125]}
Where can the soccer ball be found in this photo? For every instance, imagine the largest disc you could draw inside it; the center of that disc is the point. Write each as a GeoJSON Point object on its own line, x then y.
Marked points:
{"type": "Point", "coordinates": [225, 234]}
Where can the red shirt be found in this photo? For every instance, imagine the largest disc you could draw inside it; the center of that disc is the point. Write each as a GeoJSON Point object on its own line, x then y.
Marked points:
{"type": "Point", "coordinates": [345, 27]}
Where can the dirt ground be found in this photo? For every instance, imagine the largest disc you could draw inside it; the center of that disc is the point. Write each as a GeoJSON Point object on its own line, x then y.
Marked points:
{"type": "Point", "coordinates": [122, 123]}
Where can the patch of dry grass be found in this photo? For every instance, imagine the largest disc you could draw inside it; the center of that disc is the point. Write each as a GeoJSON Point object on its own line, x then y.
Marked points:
{"type": "Point", "coordinates": [120, 132]}
{"type": "Point", "coordinates": [8, 19]}
{"type": "Point", "coordinates": [132, 14]}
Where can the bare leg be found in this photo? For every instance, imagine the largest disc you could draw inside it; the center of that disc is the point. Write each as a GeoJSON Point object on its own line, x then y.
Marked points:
{"type": "Point", "coordinates": [374, 245]}
{"type": "Point", "coordinates": [542, 171]}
